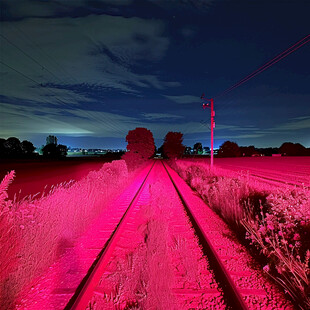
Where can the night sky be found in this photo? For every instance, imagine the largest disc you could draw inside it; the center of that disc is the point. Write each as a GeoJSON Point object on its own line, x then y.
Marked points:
{"type": "Point", "coordinates": [88, 71]}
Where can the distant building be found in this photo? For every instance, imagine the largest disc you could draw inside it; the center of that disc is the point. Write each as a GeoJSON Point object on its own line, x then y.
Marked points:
{"type": "Point", "coordinates": [51, 140]}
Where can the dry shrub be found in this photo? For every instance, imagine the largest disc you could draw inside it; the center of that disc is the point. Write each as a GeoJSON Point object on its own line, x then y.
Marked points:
{"type": "Point", "coordinates": [226, 196]}
{"type": "Point", "coordinates": [9, 240]}
{"type": "Point", "coordinates": [283, 234]}
{"type": "Point", "coordinates": [276, 222]}
{"type": "Point", "coordinates": [143, 278]}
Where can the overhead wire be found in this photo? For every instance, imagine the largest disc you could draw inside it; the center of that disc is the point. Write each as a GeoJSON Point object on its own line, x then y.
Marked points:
{"type": "Point", "coordinates": [273, 61]}
{"type": "Point", "coordinates": [38, 47]}
{"type": "Point", "coordinates": [26, 77]}
{"type": "Point", "coordinates": [277, 58]}
{"type": "Point", "coordinates": [27, 55]}
{"type": "Point", "coordinates": [32, 80]}
{"type": "Point", "coordinates": [262, 68]}
{"type": "Point", "coordinates": [56, 96]}
{"type": "Point", "coordinates": [107, 122]}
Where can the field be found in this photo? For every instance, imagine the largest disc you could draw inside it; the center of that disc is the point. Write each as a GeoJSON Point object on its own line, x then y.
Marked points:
{"type": "Point", "coordinates": [271, 170]}
{"type": "Point", "coordinates": [33, 176]}
{"type": "Point", "coordinates": [294, 170]}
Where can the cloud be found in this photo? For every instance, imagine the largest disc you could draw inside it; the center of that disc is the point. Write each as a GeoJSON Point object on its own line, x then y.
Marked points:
{"type": "Point", "coordinates": [297, 123]}
{"type": "Point", "coordinates": [187, 4]}
{"type": "Point", "coordinates": [21, 9]}
{"type": "Point", "coordinates": [161, 116]}
{"type": "Point", "coordinates": [184, 99]}
{"type": "Point", "coordinates": [95, 50]}
{"type": "Point", "coordinates": [245, 128]}
{"type": "Point", "coordinates": [31, 8]}
{"type": "Point", "coordinates": [243, 136]}
{"type": "Point", "coordinates": [24, 121]}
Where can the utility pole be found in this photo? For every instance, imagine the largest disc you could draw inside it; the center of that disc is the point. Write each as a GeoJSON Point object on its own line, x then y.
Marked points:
{"type": "Point", "coordinates": [209, 103]}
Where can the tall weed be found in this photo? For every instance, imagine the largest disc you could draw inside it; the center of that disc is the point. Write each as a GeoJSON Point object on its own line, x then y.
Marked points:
{"type": "Point", "coordinates": [276, 221]}
{"type": "Point", "coordinates": [34, 231]}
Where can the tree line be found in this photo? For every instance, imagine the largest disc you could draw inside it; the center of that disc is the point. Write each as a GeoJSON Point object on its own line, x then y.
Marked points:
{"type": "Point", "coordinates": [231, 149]}
{"type": "Point", "coordinates": [14, 148]}
{"type": "Point", "coordinates": [141, 146]}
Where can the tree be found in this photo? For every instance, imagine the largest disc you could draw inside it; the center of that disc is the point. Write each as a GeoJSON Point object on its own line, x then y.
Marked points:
{"type": "Point", "coordinates": [293, 149]}
{"type": "Point", "coordinates": [51, 140]}
{"type": "Point", "coordinates": [197, 148]}
{"type": "Point", "coordinates": [141, 141]}
{"type": "Point", "coordinates": [229, 149]}
{"type": "Point", "coordinates": [27, 148]}
{"type": "Point", "coordinates": [173, 147]}
{"type": "Point", "coordinates": [13, 147]}
{"type": "Point", "coordinates": [140, 146]}
{"type": "Point", "coordinates": [247, 150]}
{"type": "Point", "coordinates": [62, 150]}
{"type": "Point", "coordinates": [54, 151]}
{"type": "Point", "coordinates": [50, 150]}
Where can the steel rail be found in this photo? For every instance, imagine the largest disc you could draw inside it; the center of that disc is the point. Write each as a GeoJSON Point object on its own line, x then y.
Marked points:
{"type": "Point", "coordinates": [231, 294]}
{"type": "Point", "coordinates": [83, 294]}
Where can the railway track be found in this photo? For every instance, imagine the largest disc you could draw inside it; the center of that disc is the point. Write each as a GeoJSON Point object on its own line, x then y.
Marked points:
{"type": "Point", "coordinates": [225, 277]}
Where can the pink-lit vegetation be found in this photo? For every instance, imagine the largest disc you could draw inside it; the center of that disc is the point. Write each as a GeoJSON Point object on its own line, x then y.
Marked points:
{"type": "Point", "coordinates": [34, 231]}
{"type": "Point", "coordinates": [275, 219]}
{"type": "Point", "coordinates": [141, 277]}
{"type": "Point", "coordinates": [158, 260]}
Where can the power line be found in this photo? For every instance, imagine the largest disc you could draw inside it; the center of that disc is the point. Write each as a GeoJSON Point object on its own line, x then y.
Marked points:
{"type": "Point", "coordinates": [22, 74]}
{"type": "Point", "coordinates": [27, 55]}
{"type": "Point", "coordinates": [30, 79]}
{"type": "Point", "coordinates": [37, 47]}
{"type": "Point", "coordinates": [277, 58]}
{"type": "Point", "coordinates": [108, 123]}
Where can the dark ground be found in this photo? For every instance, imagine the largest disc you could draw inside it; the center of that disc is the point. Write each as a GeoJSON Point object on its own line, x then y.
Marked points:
{"type": "Point", "coordinates": [32, 175]}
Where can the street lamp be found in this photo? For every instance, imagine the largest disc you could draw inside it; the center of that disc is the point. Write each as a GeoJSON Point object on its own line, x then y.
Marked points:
{"type": "Point", "coordinates": [209, 103]}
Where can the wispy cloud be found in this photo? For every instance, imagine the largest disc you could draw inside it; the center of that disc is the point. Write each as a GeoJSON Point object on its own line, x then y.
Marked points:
{"type": "Point", "coordinates": [17, 119]}
{"type": "Point", "coordinates": [161, 116]}
{"type": "Point", "coordinates": [18, 9]}
{"type": "Point", "coordinates": [296, 123]}
{"type": "Point", "coordinates": [21, 121]}
{"type": "Point", "coordinates": [81, 55]}
{"type": "Point", "coordinates": [188, 4]}
{"type": "Point", "coordinates": [184, 99]}
{"type": "Point", "coordinates": [243, 136]}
